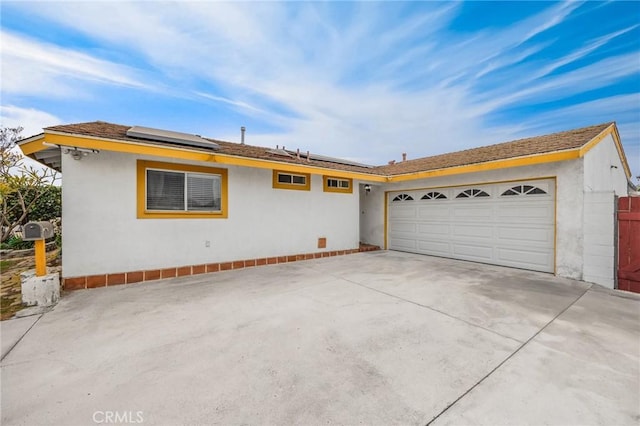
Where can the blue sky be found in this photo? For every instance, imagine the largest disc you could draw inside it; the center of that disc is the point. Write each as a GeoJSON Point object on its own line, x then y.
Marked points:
{"type": "Point", "coordinates": [364, 80]}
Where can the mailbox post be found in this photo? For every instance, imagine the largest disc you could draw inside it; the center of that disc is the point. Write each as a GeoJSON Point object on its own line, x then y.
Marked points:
{"type": "Point", "coordinates": [38, 232]}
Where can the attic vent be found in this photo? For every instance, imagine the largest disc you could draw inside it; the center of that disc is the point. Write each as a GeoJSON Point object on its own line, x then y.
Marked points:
{"type": "Point", "coordinates": [280, 152]}
{"type": "Point", "coordinates": [158, 135]}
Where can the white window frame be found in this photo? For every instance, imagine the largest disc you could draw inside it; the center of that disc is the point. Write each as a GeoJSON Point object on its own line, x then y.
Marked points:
{"type": "Point", "coordinates": [186, 190]}
{"type": "Point", "coordinates": [292, 175]}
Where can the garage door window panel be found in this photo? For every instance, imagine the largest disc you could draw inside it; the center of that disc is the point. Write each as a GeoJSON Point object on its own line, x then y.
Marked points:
{"type": "Point", "coordinates": [524, 190]}
{"type": "Point", "coordinates": [434, 195]}
{"type": "Point", "coordinates": [473, 193]}
{"type": "Point", "coordinates": [403, 197]}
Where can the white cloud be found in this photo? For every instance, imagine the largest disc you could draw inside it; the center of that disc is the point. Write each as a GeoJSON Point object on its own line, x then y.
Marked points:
{"type": "Point", "coordinates": [582, 52]}
{"type": "Point", "coordinates": [595, 75]}
{"type": "Point", "coordinates": [31, 120]}
{"type": "Point", "coordinates": [34, 67]}
{"type": "Point", "coordinates": [361, 80]}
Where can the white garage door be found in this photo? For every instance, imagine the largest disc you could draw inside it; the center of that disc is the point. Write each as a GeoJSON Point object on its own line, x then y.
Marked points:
{"type": "Point", "coordinates": [509, 224]}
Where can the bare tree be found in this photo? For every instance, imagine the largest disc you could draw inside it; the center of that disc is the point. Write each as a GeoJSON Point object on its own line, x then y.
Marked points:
{"type": "Point", "coordinates": [18, 181]}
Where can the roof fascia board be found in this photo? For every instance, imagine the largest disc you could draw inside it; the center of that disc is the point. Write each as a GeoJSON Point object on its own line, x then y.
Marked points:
{"type": "Point", "coordinates": [129, 147]}
{"type": "Point", "coordinates": [613, 131]}
{"type": "Point", "coordinates": [30, 139]}
{"type": "Point", "coordinates": [623, 157]}
{"type": "Point", "coordinates": [491, 165]}
{"type": "Point", "coordinates": [593, 142]}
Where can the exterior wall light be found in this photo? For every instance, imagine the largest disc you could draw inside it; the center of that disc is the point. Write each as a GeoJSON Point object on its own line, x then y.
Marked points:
{"type": "Point", "coordinates": [78, 153]}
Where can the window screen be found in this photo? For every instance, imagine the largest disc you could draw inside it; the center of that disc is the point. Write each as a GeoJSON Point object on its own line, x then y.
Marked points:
{"type": "Point", "coordinates": [292, 179]}
{"type": "Point", "coordinates": [337, 183]}
{"type": "Point", "coordinates": [203, 192]}
{"type": "Point", "coordinates": [166, 191]}
{"type": "Point", "coordinates": [299, 180]}
{"type": "Point", "coordinates": [284, 178]}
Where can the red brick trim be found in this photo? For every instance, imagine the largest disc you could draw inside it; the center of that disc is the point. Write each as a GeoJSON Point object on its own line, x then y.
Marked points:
{"type": "Point", "coordinates": [168, 273]}
{"type": "Point", "coordinates": [149, 275]}
{"type": "Point", "coordinates": [75, 283]}
{"type": "Point", "coordinates": [198, 269]}
{"type": "Point", "coordinates": [116, 279]}
{"type": "Point", "coordinates": [137, 276]}
{"type": "Point", "coordinates": [92, 281]}
{"type": "Point", "coordinates": [184, 270]}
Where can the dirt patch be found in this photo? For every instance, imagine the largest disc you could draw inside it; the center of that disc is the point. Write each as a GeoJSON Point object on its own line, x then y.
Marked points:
{"type": "Point", "coordinates": [10, 288]}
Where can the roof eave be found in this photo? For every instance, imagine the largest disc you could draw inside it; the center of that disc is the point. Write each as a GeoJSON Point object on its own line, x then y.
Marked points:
{"type": "Point", "coordinates": [134, 147]}
{"type": "Point", "coordinates": [549, 157]}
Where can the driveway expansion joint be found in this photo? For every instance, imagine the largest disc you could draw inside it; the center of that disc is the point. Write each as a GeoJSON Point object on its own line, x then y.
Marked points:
{"type": "Point", "coordinates": [21, 337]}
{"type": "Point", "coordinates": [431, 308]}
{"type": "Point", "coordinates": [508, 358]}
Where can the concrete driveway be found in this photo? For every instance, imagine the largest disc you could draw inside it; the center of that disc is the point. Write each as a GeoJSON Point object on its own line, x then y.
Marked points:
{"type": "Point", "coordinates": [373, 338]}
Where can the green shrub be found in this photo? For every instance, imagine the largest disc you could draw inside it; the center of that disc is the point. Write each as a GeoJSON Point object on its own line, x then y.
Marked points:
{"type": "Point", "coordinates": [16, 243]}
{"type": "Point", "coordinates": [47, 207]}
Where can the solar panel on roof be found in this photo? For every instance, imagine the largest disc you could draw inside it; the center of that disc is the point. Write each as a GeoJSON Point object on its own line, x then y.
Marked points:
{"type": "Point", "coordinates": [280, 152]}
{"type": "Point", "coordinates": [335, 160]}
{"type": "Point", "coordinates": [159, 135]}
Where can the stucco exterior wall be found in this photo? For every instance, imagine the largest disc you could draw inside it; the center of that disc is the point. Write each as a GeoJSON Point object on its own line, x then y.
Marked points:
{"type": "Point", "coordinates": [372, 215]}
{"type": "Point", "coordinates": [603, 170]}
{"type": "Point", "coordinates": [599, 238]}
{"type": "Point", "coordinates": [604, 178]}
{"type": "Point", "coordinates": [101, 233]}
{"type": "Point", "coordinates": [569, 205]}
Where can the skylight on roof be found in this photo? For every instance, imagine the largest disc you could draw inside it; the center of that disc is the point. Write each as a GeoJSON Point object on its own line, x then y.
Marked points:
{"type": "Point", "coordinates": [179, 138]}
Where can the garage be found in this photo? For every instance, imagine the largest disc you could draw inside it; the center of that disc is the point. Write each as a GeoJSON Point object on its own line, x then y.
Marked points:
{"type": "Point", "coordinates": [508, 223]}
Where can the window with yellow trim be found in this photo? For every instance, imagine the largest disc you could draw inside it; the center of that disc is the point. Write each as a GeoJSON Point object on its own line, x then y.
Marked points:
{"type": "Point", "coordinates": [335, 184]}
{"type": "Point", "coordinates": [287, 180]}
{"type": "Point", "coordinates": [167, 190]}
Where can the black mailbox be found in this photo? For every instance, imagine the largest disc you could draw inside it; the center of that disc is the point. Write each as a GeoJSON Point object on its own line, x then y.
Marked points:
{"type": "Point", "coordinates": [37, 231]}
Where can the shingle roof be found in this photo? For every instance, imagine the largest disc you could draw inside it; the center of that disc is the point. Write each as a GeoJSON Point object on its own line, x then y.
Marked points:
{"type": "Point", "coordinates": [561, 141]}
{"type": "Point", "coordinates": [106, 130]}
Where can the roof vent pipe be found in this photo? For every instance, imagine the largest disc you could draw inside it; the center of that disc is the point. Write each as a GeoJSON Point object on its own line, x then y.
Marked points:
{"type": "Point", "coordinates": [404, 156]}
{"type": "Point", "coordinates": [242, 129]}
